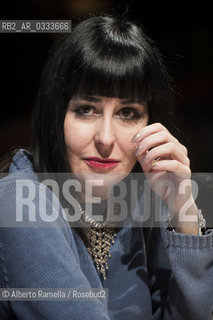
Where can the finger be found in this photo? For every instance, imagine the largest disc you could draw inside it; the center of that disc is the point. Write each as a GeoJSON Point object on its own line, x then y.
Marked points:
{"type": "Point", "coordinates": [157, 179]}
{"type": "Point", "coordinates": [167, 151]}
{"type": "Point", "coordinates": [152, 141]}
{"type": "Point", "coordinates": [148, 130]}
{"type": "Point", "coordinates": [152, 177]}
{"type": "Point", "coordinates": [157, 139]}
{"type": "Point", "coordinates": [171, 166]}
{"type": "Point", "coordinates": [154, 128]}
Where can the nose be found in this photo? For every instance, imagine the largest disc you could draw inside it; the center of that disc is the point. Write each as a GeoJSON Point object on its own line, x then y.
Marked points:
{"type": "Point", "coordinates": [104, 136]}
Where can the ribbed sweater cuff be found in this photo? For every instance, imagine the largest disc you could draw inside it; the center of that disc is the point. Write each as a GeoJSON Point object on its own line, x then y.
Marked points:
{"type": "Point", "coordinates": [182, 240]}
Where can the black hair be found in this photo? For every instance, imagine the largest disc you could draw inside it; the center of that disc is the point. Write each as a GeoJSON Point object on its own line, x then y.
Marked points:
{"type": "Point", "coordinates": [103, 56]}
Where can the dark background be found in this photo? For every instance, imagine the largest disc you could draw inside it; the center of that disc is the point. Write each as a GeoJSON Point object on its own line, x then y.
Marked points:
{"type": "Point", "coordinates": [183, 32]}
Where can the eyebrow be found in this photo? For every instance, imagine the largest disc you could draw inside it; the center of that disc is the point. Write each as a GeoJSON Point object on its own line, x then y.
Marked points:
{"type": "Point", "coordinates": [123, 101]}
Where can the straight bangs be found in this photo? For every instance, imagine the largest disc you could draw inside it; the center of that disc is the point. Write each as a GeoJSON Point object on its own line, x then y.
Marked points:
{"type": "Point", "coordinates": [110, 76]}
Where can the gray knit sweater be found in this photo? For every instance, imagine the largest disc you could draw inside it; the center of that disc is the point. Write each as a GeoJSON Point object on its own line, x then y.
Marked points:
{"type": "Point", "coordinates": [153, 273]}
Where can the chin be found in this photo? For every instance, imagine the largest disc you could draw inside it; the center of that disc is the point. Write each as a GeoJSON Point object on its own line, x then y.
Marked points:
{"type": "Point", "coordinates": [99, 184]}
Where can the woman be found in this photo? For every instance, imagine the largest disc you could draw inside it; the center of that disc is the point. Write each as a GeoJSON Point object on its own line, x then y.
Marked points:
{"type": "Point", "coordinates": [103, 112]}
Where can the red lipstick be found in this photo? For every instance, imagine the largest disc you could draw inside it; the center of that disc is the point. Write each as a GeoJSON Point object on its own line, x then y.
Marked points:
{"type": "Point", "coordinates": [100, 163]}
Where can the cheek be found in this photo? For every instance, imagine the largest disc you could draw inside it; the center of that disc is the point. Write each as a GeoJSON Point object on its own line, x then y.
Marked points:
{"type": "Point", "coordinates": [124, 140]}
{"type": "Point", "coordinates": [75, 137]}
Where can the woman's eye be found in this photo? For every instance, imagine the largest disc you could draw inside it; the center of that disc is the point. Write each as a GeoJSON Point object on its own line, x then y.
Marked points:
{"type": "Point", "coordinates": [85, 110]}
{"type": "Point", "coordinates": [128, 114]}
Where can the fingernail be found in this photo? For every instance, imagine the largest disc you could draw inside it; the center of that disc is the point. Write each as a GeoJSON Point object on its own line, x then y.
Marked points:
{"type": "Point", "coordinates": [136, 138]}
{"type": "Point", "coordinates": [136, 150]}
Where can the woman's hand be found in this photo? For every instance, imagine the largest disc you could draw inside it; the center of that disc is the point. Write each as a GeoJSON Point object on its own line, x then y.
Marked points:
{"type": "Point", "coordinates": [164, 161]}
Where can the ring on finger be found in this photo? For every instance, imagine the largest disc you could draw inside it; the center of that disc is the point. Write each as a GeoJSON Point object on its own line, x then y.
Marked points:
{"type": "Point", "coordinates": [155, 162]}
